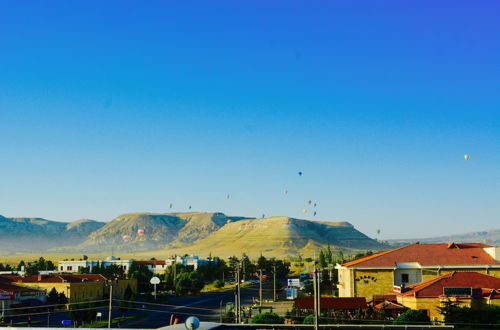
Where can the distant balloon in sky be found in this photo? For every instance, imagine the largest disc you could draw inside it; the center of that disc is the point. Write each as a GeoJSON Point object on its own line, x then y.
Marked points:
{"type": "Point", "coordinates": [189, 207]}
{"type": "Point", "coordinates": [466, 156]}
{"type": "Point", "coordinates": [309, 202]}
{"type": "Point", "coordinates": [140, 232]}
{"type": "Point", "coordinates": [314, 204]}
{"type": "Point", "coordinates": [228, 196]}
{"type": "Point", "coordinates": [126, 238]}
{"type": "Point", "coordinates": [304, 210]}
{"type": "Point", "coordinates": [286, 192]}
{"type": "Point", "coordinates": [170, 205]}
{"type": "Point", "coordinates": [263, 215]}
{"type": "Point", "coordinates": [378, 231]}
{"type": "Point", "coordinates": [300, 173]}
{"type": "Point", "coordinates": [315, 213]}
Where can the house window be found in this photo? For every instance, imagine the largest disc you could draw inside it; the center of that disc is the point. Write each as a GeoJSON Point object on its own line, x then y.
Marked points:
{"type": "Point", "coordinates": [70, 267]}
{"type": "Point", "coordinates": [404, 278]}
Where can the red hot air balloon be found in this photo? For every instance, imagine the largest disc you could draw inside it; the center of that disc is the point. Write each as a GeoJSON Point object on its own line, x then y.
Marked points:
{"type": "Point", "coordinates": [126, 238]}
{"type": "Point", "coordinates": [140, 232]}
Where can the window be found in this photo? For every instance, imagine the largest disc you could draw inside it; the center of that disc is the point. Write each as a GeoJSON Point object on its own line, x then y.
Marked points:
{"type": "Point", "coordinates": [70, 267]}
{"type": "Point", "coordinates": [404, 278]}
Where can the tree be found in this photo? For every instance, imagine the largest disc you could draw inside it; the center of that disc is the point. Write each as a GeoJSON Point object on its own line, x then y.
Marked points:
{"type": "Point", "coordinates": [412, 316]}
{"type": "Point", "coordinates": [329, 255]}
{"type": "Point", "coordinates": [189, 282]}
{"type": "Point", "coordinates": [128, 297]}
{"type": "Point", "coordinates": [31, 270]}
{"type": "Point", "coordinates": [267, 318]}
{"type": "Point", "coordinates": [21, 265]}
{"type": "Point", "coordinates": [53, 297]}
{"type": "Point", "coordinates": [309, 319]}
{"type": "Point", "coordinates": [322, 259]}
{"type": "Point", "coordinates": [140, 272]}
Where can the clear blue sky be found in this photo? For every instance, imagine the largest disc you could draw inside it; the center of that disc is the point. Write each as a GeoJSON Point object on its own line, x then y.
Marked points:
{"type": "Point", "coordinates": [109, 107]}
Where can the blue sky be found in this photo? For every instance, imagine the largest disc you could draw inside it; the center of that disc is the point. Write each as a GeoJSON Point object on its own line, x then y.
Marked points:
{"type": "Point", "coordinates": [120, 106]}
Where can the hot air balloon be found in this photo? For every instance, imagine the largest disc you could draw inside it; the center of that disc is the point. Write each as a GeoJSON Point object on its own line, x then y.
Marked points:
{"type": "Point", "coordinates": [466, 156]}
{"type": "Point", "coordinates": [309, 202]}
{"type": "Point", "coordinates": [263, 215]}
{"type": "Point", "coordinates": [315, 213]}
{"type": "Point", "coordinates": [378, 231]}
{"type": "Point", "coordinates": [304, 210]}
{"type": "Point", "coordinates": [140, 232]}
{"type": "Point", "coordinates": [228, 196]}
{"type": "Point", "coordinates": [300, 173]}
{"type": "Point", "coordinates": [126, 238]}
{"type": "Point", "coordinates": [314, 204]}
{"type": "Point", "coordinates": [286, 192]}
{"type": "Point", "coordinates": [170, 205]}
{"type": "Point", "coordinates": [189, 207]}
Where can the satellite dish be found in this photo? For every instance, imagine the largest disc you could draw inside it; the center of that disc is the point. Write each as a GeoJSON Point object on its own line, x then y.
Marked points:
{"type": "Point", "coordinates": [154, 280]}
{"type": "Point", "coordinates": [466, 156]}
{"type": "Point", "coordinates": [192, 323]}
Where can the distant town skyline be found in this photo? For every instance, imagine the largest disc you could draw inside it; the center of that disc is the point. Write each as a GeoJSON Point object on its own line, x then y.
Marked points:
{"type": "Point", "coordinates": [117, 107]}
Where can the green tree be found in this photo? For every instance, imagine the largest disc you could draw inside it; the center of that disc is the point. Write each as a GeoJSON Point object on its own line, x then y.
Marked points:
{"type": "Point", "coordinates": [412, 316]}
{"type": "Point", "coordinates": [329, 255]}
{"type": "Point", "coordinates": [309, 319]}
{"type": "Point", "coordinates": [322, 259]}
{"type": "Point", "coordinates": [53, 297]}
{"type": "Point", "coordinates": [31, 270]}
{"type": "Point", "coordinates": [267, 318]}
{"type": "Point", "coordinates": [189, 282]}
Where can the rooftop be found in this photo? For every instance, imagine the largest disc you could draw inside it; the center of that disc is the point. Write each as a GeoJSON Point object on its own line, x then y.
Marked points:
{"type": "Point", "coordinates": [484, 284]}
{"type": "Point", "coordinates": [429, 255]}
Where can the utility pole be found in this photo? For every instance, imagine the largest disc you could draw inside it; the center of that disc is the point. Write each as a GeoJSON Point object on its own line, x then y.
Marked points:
{"type": "Point", "coordinates": [175, 272]}
{"type": "Point", "coordinates": [274, 282]}
{"type": "Point", "coordinates": [318, 286]}
{"type": "Point", "coordinates": [238, 298]}
{"type": "Point", "coordinates": [260, 287]}
{"type": "Point", "coordinates": [315, 290]}
{"type": "Point", "coordinates": [110, 303]}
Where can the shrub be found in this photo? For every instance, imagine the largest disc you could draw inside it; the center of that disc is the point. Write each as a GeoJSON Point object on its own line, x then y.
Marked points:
{"type": "Point", "coordinates": [412, 316]}
{"type": "Point", "coordinates": [267, 318]}
{"type": "Point", "coordinates": [218, 284]}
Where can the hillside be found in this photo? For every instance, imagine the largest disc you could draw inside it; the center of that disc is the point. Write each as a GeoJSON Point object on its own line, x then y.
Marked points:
{"type": "Point", "coordinates": [37, 234]}
{"type": "Point", "coordinates": [278, 236]}
{"type": "Point", "coordinates": [177, 229]}
{"type": "Point", "coordinates": [488, 237]}
{"type": "Point", "coordinates": [163, 234]}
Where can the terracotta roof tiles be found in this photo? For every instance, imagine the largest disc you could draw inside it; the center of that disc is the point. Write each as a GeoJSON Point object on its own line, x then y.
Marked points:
{"type": "Point", "coordinates": [429, 255]}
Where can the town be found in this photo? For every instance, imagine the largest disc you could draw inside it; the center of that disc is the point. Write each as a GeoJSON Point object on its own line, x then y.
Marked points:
{"type": "Point", "coordinates": [439, 284]}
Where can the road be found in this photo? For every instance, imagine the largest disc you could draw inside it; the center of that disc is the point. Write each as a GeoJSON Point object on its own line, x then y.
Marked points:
{"type": "Point", "coordinates": [206, 307]}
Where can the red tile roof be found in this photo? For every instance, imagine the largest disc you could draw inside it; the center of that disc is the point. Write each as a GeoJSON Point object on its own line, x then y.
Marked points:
{"type": "Point", "coordinates": [8, 287]}
{"type": "Point", "coordinates": [429, 255]}
{"type": "Point", "coordinates": [58, 278]}
{"type": "Point", "coordinates": [332, 303]}
{"type": "Point", "coordinates": [434, 287]}
{"type": "Point", "coordinates": [151, 262]}
{"type": "Point", "coordinates": [390, 305]}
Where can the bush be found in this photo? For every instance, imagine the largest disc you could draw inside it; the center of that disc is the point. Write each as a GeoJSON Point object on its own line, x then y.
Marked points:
{"type": "Point", "coordinates": [218, 284]}
{"type": "Point", "coordinates": [309, 319]}
{"type": "Point", "coordinates": [412, 316]}
{"type": "Point", "coordinates": [267, 318]}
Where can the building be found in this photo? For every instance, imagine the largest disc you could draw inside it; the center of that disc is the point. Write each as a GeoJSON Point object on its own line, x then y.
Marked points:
{"type": "Point", "coordinates": [377, 274]}
{"type": "Point", "coordinates": [75, 266]}
{"type": "Point", "coordinates": [77, 287]}
{"type": "Point", "coordinates": [193, 261]}
{"type": "Point", "coordinates": [470, 289]}
{"type": "Point", "coordinates": [155, 266]}
{"type": "Point", "coordinates": [19, 297]}
{"type": "Point", "coordinates": [305, 305]}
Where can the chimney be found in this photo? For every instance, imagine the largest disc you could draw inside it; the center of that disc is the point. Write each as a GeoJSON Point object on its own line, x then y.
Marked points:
{"type": "Point", "coordinates": [493, 251]}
